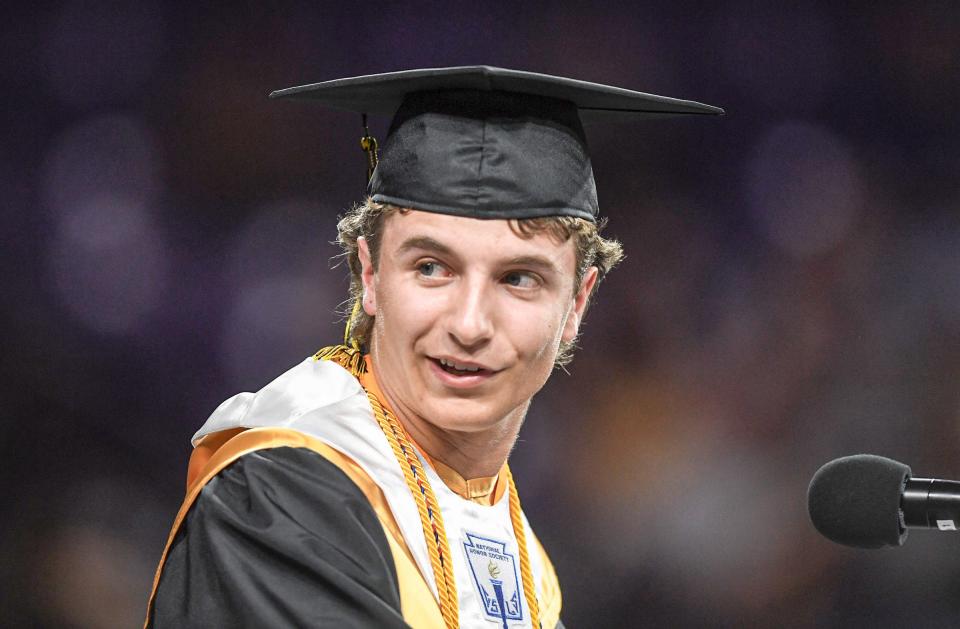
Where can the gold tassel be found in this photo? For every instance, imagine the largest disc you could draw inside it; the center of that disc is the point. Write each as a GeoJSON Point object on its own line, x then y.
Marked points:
{"type": "Point", "coordinates": [369, 145]}
{"type": "Point", "coordinates": [349, 358]}
{"type": "Point", "coordinates": [348, 340]}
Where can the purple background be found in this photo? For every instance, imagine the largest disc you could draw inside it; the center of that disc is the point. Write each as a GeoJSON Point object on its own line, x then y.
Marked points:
{"type": "Point", "coordinates": [791, 292]}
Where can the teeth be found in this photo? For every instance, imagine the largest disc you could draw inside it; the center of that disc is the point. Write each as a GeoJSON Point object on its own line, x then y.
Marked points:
{"type": "Point", "coordinates": [447, 363]}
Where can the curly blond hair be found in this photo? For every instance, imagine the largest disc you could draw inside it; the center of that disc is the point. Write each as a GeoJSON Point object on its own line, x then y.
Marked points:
{"type": "Point", "coordinates": [366, 220]}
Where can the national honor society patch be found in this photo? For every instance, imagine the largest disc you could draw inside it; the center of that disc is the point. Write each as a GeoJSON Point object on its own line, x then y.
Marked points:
{"type": "Point", "coordinates": [495, 577]}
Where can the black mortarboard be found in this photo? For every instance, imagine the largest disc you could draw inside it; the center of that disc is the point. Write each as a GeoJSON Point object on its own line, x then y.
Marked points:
{"type": "Point", "coordinates": [487, 142]}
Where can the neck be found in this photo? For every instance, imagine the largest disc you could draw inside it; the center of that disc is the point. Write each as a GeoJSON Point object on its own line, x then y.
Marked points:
{"type": "Point", "coordinates": [470, 454]}
{"type": "Point", "coordinates": [473, 454]}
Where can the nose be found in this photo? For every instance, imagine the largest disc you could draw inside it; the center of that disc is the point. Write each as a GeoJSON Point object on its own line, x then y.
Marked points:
{"type": "Point", "coordinates": [470, 323]}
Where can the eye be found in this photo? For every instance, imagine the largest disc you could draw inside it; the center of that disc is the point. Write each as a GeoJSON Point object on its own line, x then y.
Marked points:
{"type": "Point", "coordinates": [430, 268]}
{"type": "Point", "coordinates": [521, 279]}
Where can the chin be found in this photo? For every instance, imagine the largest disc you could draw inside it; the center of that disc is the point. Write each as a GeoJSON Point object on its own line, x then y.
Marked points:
{"type": "Point", "coordinates": [464, 415]}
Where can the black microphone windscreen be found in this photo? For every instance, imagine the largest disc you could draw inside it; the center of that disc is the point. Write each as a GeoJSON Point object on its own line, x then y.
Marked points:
{"type": "Point", "coordinates": [855, 501]}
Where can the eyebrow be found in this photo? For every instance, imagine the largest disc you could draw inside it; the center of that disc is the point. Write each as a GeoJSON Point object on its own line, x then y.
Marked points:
{"type": "Point", "coordinates": [425, 243]}
{"type": "Point", "coordinates": [537, 262]}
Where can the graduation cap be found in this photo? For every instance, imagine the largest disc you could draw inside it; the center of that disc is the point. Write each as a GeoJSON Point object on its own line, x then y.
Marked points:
{"type": "Point", "coordinates": [486, 142]}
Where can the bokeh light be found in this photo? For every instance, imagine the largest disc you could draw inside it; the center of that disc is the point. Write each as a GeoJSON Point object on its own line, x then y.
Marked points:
{"type": "Point", "coordinates": [805, 189]}
{"type": "Point", "coordinates": [106, 256]}
{"type": "Point", "coordinates": [285, 291]}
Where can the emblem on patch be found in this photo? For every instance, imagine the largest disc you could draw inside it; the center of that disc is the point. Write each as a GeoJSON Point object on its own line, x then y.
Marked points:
{"type": "Point", "coordinates": [494, 573]}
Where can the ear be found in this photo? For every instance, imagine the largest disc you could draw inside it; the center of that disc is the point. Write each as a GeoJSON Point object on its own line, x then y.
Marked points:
{"type": "Point", "coordinates": [367, 277]}
{"type": "Point", "coordinates": [580, 300]}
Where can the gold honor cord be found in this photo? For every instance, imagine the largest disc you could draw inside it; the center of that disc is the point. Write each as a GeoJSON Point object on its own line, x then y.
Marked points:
{"type": "Point", "coordinates": [526, 574]}
{"type": "Point", "coordinates": [431, 520]}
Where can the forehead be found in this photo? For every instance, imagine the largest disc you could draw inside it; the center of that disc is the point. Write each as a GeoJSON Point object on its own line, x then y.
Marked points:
{"type": "Point", "coordinates": [491, 240]}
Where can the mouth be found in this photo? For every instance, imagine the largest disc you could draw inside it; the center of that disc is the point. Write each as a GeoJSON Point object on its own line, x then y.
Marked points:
{"type": "Point", "coordinates": [463, 373]}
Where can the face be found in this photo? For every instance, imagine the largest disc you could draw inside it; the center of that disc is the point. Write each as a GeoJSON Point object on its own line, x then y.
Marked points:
{"type": "Point", "coordinates": [469, 316]}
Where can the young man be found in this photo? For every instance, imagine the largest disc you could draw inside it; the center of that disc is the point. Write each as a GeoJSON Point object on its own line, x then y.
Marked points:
{"type": "Point", "coordinates": [368, 486]}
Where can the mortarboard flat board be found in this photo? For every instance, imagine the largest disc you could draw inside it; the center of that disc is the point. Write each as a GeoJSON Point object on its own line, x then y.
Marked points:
{"type": "Point", "coordinates": [487, 142]}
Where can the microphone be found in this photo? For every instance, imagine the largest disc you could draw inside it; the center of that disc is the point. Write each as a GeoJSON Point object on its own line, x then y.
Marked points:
{"type": "Point", "coordinates": [870, 501]}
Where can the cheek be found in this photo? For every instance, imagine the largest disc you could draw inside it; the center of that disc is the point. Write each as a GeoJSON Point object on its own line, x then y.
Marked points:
{"type": "Point", "coordinates": [539, 330]}
{"type": "Point", "coordinates": [403, 313]}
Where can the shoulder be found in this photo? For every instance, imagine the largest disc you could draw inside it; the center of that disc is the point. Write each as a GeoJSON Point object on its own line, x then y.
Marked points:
{"type": "Point", "coordinates": [286, 486]}
{"type": "Point", "coordinates": [277, 535]}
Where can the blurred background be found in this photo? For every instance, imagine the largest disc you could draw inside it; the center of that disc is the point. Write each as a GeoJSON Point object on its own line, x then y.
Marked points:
{"type": "Point", "coordinates": [791, 291]}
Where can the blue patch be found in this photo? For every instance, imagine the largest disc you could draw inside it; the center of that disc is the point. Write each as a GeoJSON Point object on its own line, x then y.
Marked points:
{"type": "Point", "coordinates": [495, 576]}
